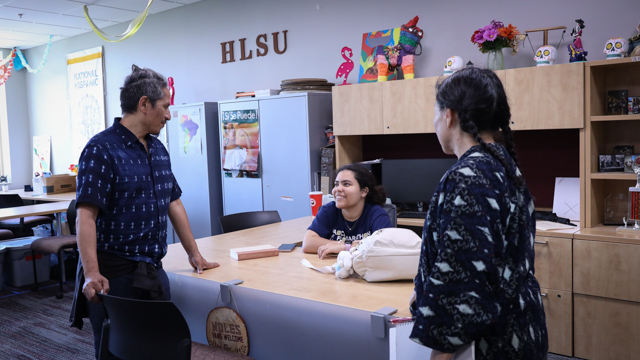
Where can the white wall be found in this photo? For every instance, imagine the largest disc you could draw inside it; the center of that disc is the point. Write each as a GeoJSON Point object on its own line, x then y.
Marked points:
{"type": "Point", "coordinates": [185, 43]}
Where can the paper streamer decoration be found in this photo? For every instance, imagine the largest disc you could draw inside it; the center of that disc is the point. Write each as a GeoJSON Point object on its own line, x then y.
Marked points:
{"type": "Point", "coordinates": [133, 26]}
{"type": "Point", "coordinates": [44, 58]}
{"type": "Point", "coordinates": [7, 66]}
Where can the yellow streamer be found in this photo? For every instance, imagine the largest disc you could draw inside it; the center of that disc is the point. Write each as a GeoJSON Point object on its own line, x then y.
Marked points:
{"type": "Point", "coordinates": [133, 26]}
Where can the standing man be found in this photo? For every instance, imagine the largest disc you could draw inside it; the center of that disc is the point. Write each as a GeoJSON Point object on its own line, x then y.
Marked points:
{"type": "Point", "coordinates": [126, 191]}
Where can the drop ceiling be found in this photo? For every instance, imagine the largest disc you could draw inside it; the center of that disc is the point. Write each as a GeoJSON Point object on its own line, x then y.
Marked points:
{"type": "Point", "coordinates": [28, 23]}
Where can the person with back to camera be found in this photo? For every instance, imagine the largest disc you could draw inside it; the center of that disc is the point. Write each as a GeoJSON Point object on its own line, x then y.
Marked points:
{"type": "Point", "coordinates": [356, 213]}
{"type": "Point", "coordinates": [475, 280]}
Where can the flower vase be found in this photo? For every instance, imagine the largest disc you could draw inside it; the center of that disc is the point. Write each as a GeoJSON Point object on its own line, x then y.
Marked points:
{"type": "Point", "coordinates": [495, 60]}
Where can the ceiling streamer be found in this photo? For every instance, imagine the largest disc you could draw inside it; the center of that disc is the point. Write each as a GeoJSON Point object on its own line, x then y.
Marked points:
{"type": "Point", "coordinates": [6, 67]}
{"type": "Point", "coordinates": [133, 26]}
{"type": "Point", "coordinates": [44, 58]}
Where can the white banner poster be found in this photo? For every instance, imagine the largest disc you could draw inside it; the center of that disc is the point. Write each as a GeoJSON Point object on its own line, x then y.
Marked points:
{"type": "Point", "coordinates": [85, 82]}
{"type": "Point", "coordinates": [41, 155]}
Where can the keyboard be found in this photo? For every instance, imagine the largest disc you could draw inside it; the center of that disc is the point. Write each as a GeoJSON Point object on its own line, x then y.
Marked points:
{"type": "Point", "coordinates": [412, 215]}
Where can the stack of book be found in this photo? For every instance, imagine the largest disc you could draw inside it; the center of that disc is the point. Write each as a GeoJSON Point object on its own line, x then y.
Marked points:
{"type": "Point", "coordinates": [254, 252]}
{"type": "Point", "coordinates": [267, 92]}
{"type": "Point", "coordinates": [305, 85]}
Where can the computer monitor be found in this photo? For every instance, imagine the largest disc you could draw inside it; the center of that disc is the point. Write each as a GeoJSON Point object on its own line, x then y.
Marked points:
{"type": "Point", "coordinates": [413, 180]}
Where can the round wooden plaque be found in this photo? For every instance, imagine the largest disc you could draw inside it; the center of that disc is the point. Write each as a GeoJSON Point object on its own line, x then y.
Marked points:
{"type": "Point", "coordinates": [226, 330]}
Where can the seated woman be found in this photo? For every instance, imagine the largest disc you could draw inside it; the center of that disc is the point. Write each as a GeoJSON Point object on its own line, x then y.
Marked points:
{"type": "Point", "coordinates": [355, 214]}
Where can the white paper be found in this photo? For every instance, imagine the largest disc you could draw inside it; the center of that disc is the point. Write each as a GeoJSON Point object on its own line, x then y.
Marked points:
{"type": "Point", "coordinates": [41, 154]}
{"type": "Point", "coordinates": [324, 269]}
{"type": "Point", "coordinates": [566, 198]}
{"type": "Point", "coordinates": [403, 348]}
{"type": "Point", "coordinates": [190, 140]}
{"type": "Point", "coordinates": [550, 225]}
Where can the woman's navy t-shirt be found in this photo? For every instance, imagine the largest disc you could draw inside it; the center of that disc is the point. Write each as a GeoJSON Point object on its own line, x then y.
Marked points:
{"type": "Point", "coordinates": [330, 224]}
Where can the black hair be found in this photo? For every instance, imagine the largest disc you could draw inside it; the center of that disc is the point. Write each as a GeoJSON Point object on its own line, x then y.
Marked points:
{"type": "Point", "coordinates": [365, 179]}
{"type": "Point", "coordinates": [478, 98]}
{"type": "Point", "coordinates": [141, 82]}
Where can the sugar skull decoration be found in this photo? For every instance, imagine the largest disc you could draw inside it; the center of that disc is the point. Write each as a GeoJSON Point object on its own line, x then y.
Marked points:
{"type": "Point", "coordinates": [616, 48]}
{"type": "Point", "coordinates": [453, 64]}
{"type": "Point", "coordinates": [546, 55]}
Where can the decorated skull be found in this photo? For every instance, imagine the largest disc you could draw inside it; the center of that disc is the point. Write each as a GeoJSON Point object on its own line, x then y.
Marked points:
{"type": "Point", "coordinates": [453, 64]}
{"type": "Point", "coordinates": [616, 48]}
{"type": "Point", "coordinates": [546, 55]}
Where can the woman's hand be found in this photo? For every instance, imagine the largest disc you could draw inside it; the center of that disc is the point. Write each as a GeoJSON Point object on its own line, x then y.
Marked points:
{"type": "Point", "coordinates": [333, 247]}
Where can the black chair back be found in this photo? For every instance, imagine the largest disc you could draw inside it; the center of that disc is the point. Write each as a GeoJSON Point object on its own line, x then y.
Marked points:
{"type": "Point", "coordinates": [71, 217]}
{"type": "Point", "coordinates": [246, 220]}
{"type": "Point", "coordinates": [143, 329]}
{"type": "Point", "coordinates": [10, 200]}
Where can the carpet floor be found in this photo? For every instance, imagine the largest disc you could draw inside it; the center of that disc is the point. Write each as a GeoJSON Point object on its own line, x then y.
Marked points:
{"type": "Point", "coordinates": [35, 325]}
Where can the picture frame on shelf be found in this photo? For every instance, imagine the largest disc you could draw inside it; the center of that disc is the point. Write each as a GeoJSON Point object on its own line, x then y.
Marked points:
{"type": "Point", "coordinates": [623, 150]}
{"type": "Point", "coordinates": [633, 105]}
{"type": "Point", "coordinates": [610, 163]}
{"type": "Point", "coordinates": [617, 102]}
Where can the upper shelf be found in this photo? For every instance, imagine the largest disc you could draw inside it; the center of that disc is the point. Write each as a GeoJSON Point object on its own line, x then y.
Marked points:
{"type": "Point", "coordinates": [615, 117]}
{"type": "Point", "coordinates": [625, 60]}
{"type": "Point", "coordinates": [614, 176]}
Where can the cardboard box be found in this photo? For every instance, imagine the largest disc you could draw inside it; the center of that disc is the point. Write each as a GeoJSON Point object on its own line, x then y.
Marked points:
{"type": "Point", "coordinates": [56, 184]}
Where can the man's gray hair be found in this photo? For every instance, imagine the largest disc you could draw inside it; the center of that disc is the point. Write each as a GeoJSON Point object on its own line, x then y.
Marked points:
{"type": "Point", "coordinates": [141, 82]}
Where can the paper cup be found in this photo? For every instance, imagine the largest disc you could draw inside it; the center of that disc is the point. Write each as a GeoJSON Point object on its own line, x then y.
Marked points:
{"type": "Point", "coordinates": [315, 200]}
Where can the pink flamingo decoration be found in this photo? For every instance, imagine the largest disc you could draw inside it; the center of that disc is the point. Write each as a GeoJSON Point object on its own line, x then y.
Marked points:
{"type": "Point", "coordinates": [172, 91]}
{"type": "Point", "coordinates": [346, 67]}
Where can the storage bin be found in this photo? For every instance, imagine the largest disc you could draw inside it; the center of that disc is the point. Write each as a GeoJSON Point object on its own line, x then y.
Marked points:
{"type": "Point", "coordinates": [18, 265]}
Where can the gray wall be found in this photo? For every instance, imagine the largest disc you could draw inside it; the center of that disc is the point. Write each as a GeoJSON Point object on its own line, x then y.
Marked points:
{"type": "Point", "coordinates": [185, 43]}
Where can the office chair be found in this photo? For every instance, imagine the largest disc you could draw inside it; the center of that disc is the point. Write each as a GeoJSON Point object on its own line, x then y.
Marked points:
{"type": "Point", "coordinates": [57, 245]}
{"type": "Point", "coordinates": [20, 227]}
{"type": "Point", "coordinates": [392, 211]}
{"type": "Point", "coordinates": [246, 220]}
{"type": "Point", "coordinates": [143, 329]}
{"type": "Point", "coordinates": [6, 234]}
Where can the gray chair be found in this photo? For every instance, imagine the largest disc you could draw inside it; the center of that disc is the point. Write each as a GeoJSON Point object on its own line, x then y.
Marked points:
{"type": "Point", "coordinates": [6, 234]}
{"type": "Point", "coordinates": [246, 220]}
{"type": "Point", "coordinates": [392, 211]}
{"type": "Point", "coordinates": [57, 245]}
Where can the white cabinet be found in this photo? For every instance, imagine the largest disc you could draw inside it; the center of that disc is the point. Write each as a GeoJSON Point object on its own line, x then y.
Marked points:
{"type": "Point", "coordinates": [290, 133]}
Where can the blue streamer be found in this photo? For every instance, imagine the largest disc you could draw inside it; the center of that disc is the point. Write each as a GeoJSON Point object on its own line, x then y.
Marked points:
{"type": "Point", "coordinates": [44, 58]}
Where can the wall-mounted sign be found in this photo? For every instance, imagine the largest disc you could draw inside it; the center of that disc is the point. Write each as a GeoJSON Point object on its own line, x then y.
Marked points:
{"type": "Point", "coordinates": [261, 50]}
{"type": "Point", "coordinates": [226, 330]}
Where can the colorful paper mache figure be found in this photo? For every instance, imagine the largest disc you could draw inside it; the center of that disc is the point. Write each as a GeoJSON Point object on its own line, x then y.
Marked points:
{"type": "Point", "coordinates": [403, 54]}
{"type": "Point", "coordinates": [616, 48]}
{"type": "Point", "coordinates": [546, 55]}
{"type": "Point", "coordinates": [634, 44]}
{"type": "Point", "coordinates": [576, 52]}
{"type": "Point", "coordinates": [453, 64]}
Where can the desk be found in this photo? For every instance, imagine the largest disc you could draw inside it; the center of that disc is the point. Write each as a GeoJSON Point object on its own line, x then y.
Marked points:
{"type": "Point", "coordinates": [291, 312]}
{"type": "Point", "coordinates": [68, 196]}
{"type": "Point", "coordinates": [55, 207]}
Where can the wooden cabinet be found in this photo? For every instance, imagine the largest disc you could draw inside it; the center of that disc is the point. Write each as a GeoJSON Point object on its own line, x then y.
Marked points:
{"type": "Point", "coordinates": [606, 329]}
{"type": "Point", "coordinates": [546, 97]}
{"type": "Point", "coordinates": [603, 131]}
{"type": "Point", "coordinates": [553, 262]}
{"type": "Point", "coordinates": [408, 106]}
{"type": "Point", "coordinates": [559, 316]}
{"type": "Point", "coordinates": [607, 269]}
{"type": "Point", "coordinates": [357, 109]}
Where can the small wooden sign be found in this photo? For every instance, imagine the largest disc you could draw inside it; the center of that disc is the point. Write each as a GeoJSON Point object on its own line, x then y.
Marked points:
{"type": "Point", "coordinates": [226, 330]}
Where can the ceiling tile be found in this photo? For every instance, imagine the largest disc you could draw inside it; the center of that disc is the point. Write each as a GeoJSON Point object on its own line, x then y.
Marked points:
{"type": "Point", "coordinates": [52, 6]}
{"type": "Point", "coordinates": [33, 16]}
{"type": "Point", "coordinates": [106, 13]}
{"type": "Point", "coordinates": [39, 29]}
{"type": "Point", "coordinates": [23, 36]}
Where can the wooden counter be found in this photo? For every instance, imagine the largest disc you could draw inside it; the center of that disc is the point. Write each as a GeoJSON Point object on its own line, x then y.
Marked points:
{"type": "Point", "coordinates": [68, 196]}
{"type": "Point", "coordinates": [285, 274]}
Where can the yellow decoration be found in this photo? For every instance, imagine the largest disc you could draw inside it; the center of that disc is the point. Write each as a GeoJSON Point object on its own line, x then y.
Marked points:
{"type": "Point", "coordinates": [132, 29]}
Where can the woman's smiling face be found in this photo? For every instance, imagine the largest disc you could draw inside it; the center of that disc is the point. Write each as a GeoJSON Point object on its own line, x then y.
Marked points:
{"type": "Point", "coordinates": [346, 191]}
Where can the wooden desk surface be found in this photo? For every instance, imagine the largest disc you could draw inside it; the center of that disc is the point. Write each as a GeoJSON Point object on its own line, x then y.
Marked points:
{"type": "Point", "coordinates": [68, 196]}
{"type": "Point", "coordinates": [284, 274]}
{"type": "Point", "coordinates": [34, 210]}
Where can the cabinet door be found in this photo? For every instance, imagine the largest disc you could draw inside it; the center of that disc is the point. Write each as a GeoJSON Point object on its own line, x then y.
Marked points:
{"type": "Point", "coordinates": [408, 105]}
{"type": "Point", "coordinates": [546, 97]}
{"type": "Point", "coordinates": [606, 269]}
{"type": "Point", "coordinates": [558, 313]}
{"type": "Point", "coordinates": [606, 329]}
{"type": "Point", "coordinates": [357, 109]}
{"type": "Point", "coordinates": [284, 150]}
{"type": "Point", "coordinates": [553, 262]}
